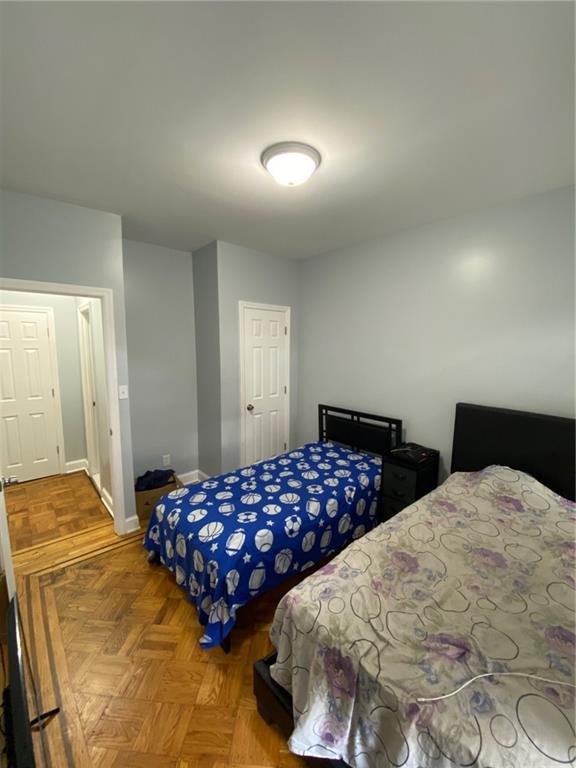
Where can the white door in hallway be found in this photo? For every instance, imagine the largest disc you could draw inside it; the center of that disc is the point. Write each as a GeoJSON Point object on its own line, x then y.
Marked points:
{"type": "Point", "coordinates": [264, 380]}
{"type": "Point", "coordinates": [29, 411]}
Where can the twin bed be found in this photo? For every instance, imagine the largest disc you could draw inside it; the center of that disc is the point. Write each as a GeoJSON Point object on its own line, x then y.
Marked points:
{"type": "Point", "coordinates": [445, 636]}
{"type": "Point", "coordinates": [232, 537]}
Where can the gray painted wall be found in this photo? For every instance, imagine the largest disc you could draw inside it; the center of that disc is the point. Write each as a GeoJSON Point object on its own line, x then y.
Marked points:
{"type": "Point", "coordinates": [160, 330]}
{"type": "Point", "coordinates": [246, 275]}
{"type": "Point", "coordinates": [68, 353]}
{"type": "Point", "coordinates": [479, 309]}
{"type": "Point", "coordinates": [47, 240]}
{"type": "Point", "coordinates": [205, 262]}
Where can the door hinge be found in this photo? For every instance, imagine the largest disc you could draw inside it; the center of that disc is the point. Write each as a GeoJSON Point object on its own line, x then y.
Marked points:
{"type": "Point", "coordinates": [53, 394]}
{"type": "Point", "coordinates": [285, 446]}
{"type": "Point", "coordinates": [58, 450]}
{"type": "Point", "coordinates": [285, 330]}
{"type": "Point", "coordinates": [48, 332]}
{"type": "Point", "coordinates": [285, 390]}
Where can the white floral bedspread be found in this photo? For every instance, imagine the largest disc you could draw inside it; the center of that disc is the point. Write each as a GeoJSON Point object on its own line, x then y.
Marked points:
{"type": "Point", "coordinates": [476, 577]}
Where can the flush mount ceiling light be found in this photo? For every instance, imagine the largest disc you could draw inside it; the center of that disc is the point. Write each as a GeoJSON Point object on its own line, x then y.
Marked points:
{"type": "Point", "coordinates": [290, 163]}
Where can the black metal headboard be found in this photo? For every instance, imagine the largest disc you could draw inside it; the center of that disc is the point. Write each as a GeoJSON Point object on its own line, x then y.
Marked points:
{"type": "Point", "coordinates": [541, 445]}
{"type": "Point", "coordinates": [357, 430]}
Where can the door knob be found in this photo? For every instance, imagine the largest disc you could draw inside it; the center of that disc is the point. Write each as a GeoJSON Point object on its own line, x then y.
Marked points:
{"type": "Point", "coordinates": [249, 407]}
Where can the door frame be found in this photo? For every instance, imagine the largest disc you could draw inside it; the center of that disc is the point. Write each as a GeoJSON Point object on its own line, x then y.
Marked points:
{"type": "Point", "coordinates": [53, 354]}
{"type": "Point", "coordinates": [242, 306]}
{"type": "Point", "coordinates": [88, 378]}
{"type": "Point", "coordinates": [6, 563]}
{"type": "Point", "coordinates": [122, 525]}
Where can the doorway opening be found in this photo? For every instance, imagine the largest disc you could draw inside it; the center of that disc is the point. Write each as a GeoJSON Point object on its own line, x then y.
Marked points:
{"type": "Point", "coordinates": [57, 436]}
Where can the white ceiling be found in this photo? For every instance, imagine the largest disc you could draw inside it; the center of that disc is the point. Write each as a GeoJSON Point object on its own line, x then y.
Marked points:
{"type": "Point", "coordinates": [159, 112]}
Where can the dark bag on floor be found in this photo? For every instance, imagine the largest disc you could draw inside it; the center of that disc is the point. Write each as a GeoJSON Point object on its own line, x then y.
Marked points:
{"type": "Point", "coordinates": [154, 478]}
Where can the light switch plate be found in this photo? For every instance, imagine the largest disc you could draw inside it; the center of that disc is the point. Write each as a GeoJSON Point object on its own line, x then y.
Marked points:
{"type": "Point", "coordinates": [123, 392]}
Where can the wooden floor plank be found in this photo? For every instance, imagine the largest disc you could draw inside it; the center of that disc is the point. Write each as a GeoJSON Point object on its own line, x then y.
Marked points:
{"type": "Point", "coordinates": [116, 646]}
{"type": "Point", "coordinates": [75, 743]}
{"type": "Point", "coordinates": [40, 511]}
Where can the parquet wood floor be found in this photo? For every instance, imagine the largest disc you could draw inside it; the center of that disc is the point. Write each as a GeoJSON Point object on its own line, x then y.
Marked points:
{"type": "Point", "coordinates": [113, 641]}
{"type": "Point", "coordinates": [52, 508]}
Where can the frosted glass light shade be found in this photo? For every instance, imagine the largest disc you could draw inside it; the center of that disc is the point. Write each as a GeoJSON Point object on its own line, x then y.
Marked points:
{"type": "Point", "coordinates": [290, 163]}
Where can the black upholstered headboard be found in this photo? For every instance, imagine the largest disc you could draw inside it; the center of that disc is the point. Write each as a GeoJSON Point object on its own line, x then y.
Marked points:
{"type": "Point", "coordinates": [541, 445]}
{"type": "Point", "coordinates": [360, 431]}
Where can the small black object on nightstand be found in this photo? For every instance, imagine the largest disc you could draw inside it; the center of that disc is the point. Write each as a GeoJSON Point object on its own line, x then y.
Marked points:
{"type": "Point", "coordinates": [409, 472]}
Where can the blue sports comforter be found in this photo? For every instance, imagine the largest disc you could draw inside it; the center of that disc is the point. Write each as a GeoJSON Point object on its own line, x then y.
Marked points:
{"type": "Point", "coordinates": [234, 536]}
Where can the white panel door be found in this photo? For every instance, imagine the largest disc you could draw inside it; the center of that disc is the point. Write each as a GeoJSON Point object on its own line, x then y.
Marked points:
{"type": "Point", "coordinates": [264, 358]}
{"type": "Point", "coordinates": [28, 416]}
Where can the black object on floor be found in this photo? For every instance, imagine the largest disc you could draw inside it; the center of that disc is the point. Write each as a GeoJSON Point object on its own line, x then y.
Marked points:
{"type": "Point", "coordinates": [274, 705]}
{"type": "Point", "coordinates": [154, 478]}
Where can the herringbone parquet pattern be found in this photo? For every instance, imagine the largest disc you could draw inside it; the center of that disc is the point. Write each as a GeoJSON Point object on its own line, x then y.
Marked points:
{"type": "Point", "coordinates": [114, 641]}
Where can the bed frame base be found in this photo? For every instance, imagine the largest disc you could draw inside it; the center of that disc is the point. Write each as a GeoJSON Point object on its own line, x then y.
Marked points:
{"type": "Point", "coordinates": [226, 644]}
{"type": "Point", "coordinates": [274, 706]}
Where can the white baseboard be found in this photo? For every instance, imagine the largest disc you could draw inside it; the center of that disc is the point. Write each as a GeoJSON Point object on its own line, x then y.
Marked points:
{"type": "Point", "coordinates": [76, 466]}
{"type": "Point", "coordinates": [81, 465]}
{"type": "Point", "coordinates": [131, 524]}
{"type": "Point", "coordinates": [194, 476]}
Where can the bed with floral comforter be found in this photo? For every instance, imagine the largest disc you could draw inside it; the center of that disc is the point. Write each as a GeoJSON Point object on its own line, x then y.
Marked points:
{"type": "Point", "coordinates": [477, 577]}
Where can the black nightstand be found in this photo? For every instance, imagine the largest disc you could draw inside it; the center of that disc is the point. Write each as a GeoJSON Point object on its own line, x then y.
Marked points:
{"type": "Point", "coordinates": [404, 483]}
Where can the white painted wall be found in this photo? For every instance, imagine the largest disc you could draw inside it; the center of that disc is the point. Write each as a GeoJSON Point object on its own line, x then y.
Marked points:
{"type": "Point", "coordinates": [161, 356]}
{"type": "Point", "coordinates": [46, 240]}
{"type": "Point", "coordinates": [477, 309]}
{"type": "Point", "coordinates": [68, 354]}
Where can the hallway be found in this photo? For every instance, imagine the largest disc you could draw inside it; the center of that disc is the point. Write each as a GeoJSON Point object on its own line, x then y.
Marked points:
{"type": "Point", "coordinates": [52, 508]}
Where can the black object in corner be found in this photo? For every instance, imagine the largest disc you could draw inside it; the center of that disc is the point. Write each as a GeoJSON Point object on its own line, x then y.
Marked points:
{"type": "Point", "coordinates": [19, 747]}
{"type": "Point", "coordinates": [408, 473]}
{"type": "Point", "coordinates": [274, 705]}
{"type": "Point", "coordinates": [153, 478]}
